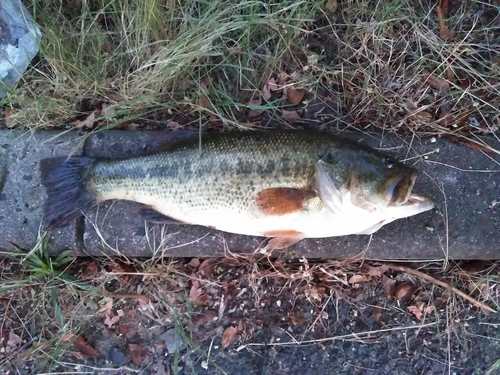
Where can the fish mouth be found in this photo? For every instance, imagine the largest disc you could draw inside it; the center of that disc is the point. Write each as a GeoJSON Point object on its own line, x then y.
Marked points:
{"type": "Point", "coordinates": [401, 193]}
{"type": "Point", "coordinates": [399, 190]}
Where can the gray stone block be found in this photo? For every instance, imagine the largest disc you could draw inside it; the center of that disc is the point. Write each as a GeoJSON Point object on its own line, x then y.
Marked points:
{"type": "Point", "coordinates": [464, 182]}
{"type": "Point", "coordinates": [21, 193]}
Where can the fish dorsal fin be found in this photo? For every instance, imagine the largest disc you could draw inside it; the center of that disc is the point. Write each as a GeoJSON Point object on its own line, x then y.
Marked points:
{"type": "Point", "coordinates": [282, 201]}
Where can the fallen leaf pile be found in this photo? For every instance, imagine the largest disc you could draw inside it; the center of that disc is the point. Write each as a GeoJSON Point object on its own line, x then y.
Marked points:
{"type": "Point", "coordinates": [283, 89]}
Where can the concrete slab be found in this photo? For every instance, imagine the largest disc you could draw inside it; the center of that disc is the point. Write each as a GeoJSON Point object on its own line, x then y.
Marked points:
{"type": "Point", "coordinates": [464, 182]}
{"type": "Point", "coordinates": [21, 193]}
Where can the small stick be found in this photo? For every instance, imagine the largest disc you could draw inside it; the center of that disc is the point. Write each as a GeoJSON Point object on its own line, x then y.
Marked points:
{"type": "Point", "coordinates": [424, 276]}
{"type": "Point", "coordinates": [356, 336]}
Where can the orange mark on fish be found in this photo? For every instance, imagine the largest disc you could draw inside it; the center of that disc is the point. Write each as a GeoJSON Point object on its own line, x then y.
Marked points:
{"type": "Point", "coordinates": [282, 201]}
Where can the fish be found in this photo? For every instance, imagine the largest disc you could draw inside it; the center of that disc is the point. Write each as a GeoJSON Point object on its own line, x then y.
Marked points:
{"type": "Point", "coordinates": [285, 185]}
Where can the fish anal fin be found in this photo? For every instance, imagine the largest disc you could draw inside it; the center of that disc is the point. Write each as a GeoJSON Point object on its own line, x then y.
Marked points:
{"type": "Point", "coordinates": [282, 201]}
{"type": "Point", "coordinates": [281, 239]}
{"type": "Point", "coordinates": [148, 213]}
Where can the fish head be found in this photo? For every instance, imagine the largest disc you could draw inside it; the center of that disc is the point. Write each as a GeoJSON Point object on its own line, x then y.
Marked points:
{"type": "Point", "coordinates": [380, 182]}
{"type": "Point", "coordinates": [373, 181]}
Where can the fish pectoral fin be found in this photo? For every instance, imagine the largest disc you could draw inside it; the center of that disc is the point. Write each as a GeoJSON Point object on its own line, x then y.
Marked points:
{"type": "Point", "coordinates": [376, 227]}
{"type": "Point", "coordinates": [330, 191]}
{"type": "Point", "coordinates": [148, 213]}
{"type": "Point", "coordinates": [282, 201]}
{"type": "Point", "coordinates": [282, 239]}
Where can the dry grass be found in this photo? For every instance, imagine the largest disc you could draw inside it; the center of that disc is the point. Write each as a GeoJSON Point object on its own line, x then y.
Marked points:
{"type": "Point", "coordinates": [388, 62]}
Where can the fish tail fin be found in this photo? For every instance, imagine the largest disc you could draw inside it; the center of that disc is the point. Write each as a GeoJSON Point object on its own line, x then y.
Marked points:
{"type": "Point", "coordinates": [68, 196]}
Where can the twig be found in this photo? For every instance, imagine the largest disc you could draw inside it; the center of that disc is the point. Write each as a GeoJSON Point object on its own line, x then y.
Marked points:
{"type": "Point", "coordinates": [358, 336]}
{"type": "Point", "coordinates": [424, 276]}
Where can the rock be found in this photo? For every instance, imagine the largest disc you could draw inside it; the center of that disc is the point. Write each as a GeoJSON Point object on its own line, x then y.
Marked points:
{"type": "Point", "coordinates": [173, 341]}
{"type": "Point", "coordinates": [19, 39]}
{"type": "Point", "coordinates": [21, 193]}
{"type": "Point", "coordinates": [464, 182]}
{"type": "Point", "coordinates": [116, 356]}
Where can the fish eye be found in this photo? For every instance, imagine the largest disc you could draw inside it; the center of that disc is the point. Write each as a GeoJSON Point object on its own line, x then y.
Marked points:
{"type": "Point", "coordinates": [389, 162]}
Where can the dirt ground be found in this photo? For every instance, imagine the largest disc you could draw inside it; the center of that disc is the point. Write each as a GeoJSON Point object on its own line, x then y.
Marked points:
{"type": "Point", "coordinates": [237, 316]}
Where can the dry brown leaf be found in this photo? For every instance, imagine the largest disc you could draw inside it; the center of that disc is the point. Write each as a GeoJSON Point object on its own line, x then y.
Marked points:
{"type": "Point", "coordinates": [376, 271]}
{"type": "Point", "coordinates": [214, 120]}
{"type": "Point", "coordinates": [67, 337]}
{"type": "Point", "coordinates": [107, 306]}
{"type": "Point", "coordinates": [117, 266]}
{"type": "Point", "coordinates": [434, 81]}
{"type": "Point", "coordinates": [229, 336]}
{"type": "Point", "coordinates": [266, 93]}
{"type": "Point", "coordinates": [208, 317]}
{"type": "Point", "coordinates": [90, 272]}
{"type": "Point", "coordinates": [136, 353]}
{"type": "Point", "coordinates": [108, 111]}
{"type": "Point", "coordinates": [195, 291]}
{"type": "Point", "coordinates": [444, 32]}
{"type": "Point", "coordinates": [9, 121]}
{"type": "Point", "coordinates": [389, 285]}
{"type": "Point", "coordinates": [206, 268]}
{"type": "Point", "coordinates": [331, 6]}
{"type": "Point", "coordinates": [85, 348]}
{"type": "Point", "coordinates": [356, 279]}
{"type": "Point", "coordinates": [445, 118]}
{"type": "Point", "coordinates": [496, 60]}
{"type": "Point", "coordinates": [424, 116]}
{"type": "Point", "coordinates": [230, 289]}
{"type": "Point", "coordinates": [404, 291]}
{"type": "Point", "coordinates": [429, 309]}
{"type": "Point", "coordinates": [194, 263]}
{"type": "Point", "coordinates": [283, 78]}
{"type": "Point", "coordinates": [378, 314]}
{"type": "Point", "coordinates": [444, 6]}
{"type": "Point", "coordinates": [312, 293]}
{"type": "Point", "coordinates": [450, 74]}
{"type": "Point", "coordinates": [110, 322]}
{"type": "Point", "coordinates": [321, 290]}
{"type": "Point", "coordinates": [255, 102]}
{"type": "Point", "coordinates": [240, 325]}
{"type": "Point", "coordinates": [88, 122]}
{"type": "Point", "coordinates": [13, 342]}
{"type": "Point", "coordinates": [173, 125]}
{"type": "Point", "coordinates": [273, 85]}
{"type": "Point", "coordinates": [292, 117]}
{"type": "Point", "coordinates": [133, 126]}
{"type": "Point", "coordinates": [235, 51]}
{"type": "Point", "coordinates": [269, 87]}
{"type": "Point", "coordinates": [416, 311]}
{"type": "Point", "coordinates": [294, 319]}
{"type": "Point", "coordinates": [295, 96]}
{"type": "Point", "coordinates": [206, 103]}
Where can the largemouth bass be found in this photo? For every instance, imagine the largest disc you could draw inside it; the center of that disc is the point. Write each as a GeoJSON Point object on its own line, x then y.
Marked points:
{"type": "Point", "coordinates": [285, 185]}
